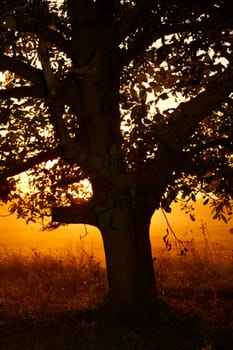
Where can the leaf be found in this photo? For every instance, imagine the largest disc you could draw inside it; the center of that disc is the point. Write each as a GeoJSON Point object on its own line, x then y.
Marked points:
{"type": "Point", "coordinates": [193, 197]}
{"type": "Point", "coordinates": [164, 96]}
{"type": "Point", "coordinates": [192, 217]}
{"type": "Point", "coordinates": [166, 240]}
{"type": "Point", "coordinates": [206, 201]}
{"type": "Point", "coordinates": [224, 218]}
{"type": "Point", "coordinates": [13, 208]}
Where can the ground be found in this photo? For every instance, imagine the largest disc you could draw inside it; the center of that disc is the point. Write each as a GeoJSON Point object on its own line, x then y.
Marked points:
{"type": "Point", "coordinates": [99, 329]}
{"type": "Point", "coordinates": [60, 302]}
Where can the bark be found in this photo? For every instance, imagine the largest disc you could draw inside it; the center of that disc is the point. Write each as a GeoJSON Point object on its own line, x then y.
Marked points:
{"type": "Point", "coordinates": [125, 234]}
{"type": "Point", "coordinates": [22, 91]}
{"type": "Point", "coordinates": [75, 214]}
{"type": "Point", "coordinates": [24, 70]}
{"type": "Point", "coordinates": [129, 261]}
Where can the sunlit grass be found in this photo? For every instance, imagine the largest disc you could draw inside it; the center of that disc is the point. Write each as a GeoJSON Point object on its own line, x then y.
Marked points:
{"type": "Point", "coordinates": [44, 284]}
{"type": "Point", "coordinates": [47, 291]}
{"type": "Point", "coordinates": [199, 282]}
{"type": "Point", "coordinates": [197, 279]}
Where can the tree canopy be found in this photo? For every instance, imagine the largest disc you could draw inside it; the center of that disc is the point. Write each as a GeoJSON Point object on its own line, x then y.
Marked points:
{"type": "Point", "coordinates": [179, 52]}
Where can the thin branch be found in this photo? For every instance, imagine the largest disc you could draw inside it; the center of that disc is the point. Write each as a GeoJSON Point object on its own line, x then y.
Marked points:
{"type": "Point", "coordinates": [49, 78]}
{"type": "Point", "coordinates": [171, 229]}
{"type": "Point", "coordinates": [22, 91]}
{"type": "Point", "coordinates": [6, 215]}
{"type": "Point", "coordinates": [17, 167]}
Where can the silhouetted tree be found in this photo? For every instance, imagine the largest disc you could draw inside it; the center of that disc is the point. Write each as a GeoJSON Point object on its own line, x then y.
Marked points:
{"type": "Point", "coordinates": [82, 85]}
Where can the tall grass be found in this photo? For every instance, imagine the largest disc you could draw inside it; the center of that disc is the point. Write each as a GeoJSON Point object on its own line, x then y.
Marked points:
{"type": "Point", "coordinates": [200, 282]}
{"type": "Point", "coordinates": [197, 278]}
{"type": "Point", "coordinates": [43, 284]}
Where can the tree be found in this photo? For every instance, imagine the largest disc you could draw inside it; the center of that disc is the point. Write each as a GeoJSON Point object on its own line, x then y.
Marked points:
{"type": "Point", "coordinates": [82, 83]}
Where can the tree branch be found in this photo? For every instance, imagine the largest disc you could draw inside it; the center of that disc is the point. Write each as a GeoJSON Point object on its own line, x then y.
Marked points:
{"type": "Point", "coordinates": [175, 132]}
{"type": "Point", "coordinates": [189, 114]}
{"type": "Point", "coordinates": [49, 78]}
{"type": "Point", "coordinates": [47, 25]}
{"type": "Point", "coordinates": [51, 35]}
{"type": "Point", "coordinates": [22, 69]}
{"type": "Point", "coordinates": [22, 91]}
{"type": "Point", "coordinates": [225, 142]}
{"type": "Point", "coordinates": [75, 214]}
{"type": "Point", "coordinates": [17, 167]}
{"type": "Point", "coordinates": [181, 126]}
{"type": "Point", "coordinates": [148, 36]}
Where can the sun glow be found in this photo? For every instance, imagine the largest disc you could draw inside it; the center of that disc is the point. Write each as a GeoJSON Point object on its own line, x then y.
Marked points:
{"type": "Point", "coordinates": [80, 192]}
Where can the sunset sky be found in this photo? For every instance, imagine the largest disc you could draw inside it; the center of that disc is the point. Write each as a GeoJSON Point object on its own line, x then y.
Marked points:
{"type": "Point", "coordinates": [17, 236]}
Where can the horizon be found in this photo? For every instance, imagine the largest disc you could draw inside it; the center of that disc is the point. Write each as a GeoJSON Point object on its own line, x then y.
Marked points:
{"type": "Point", "coordinates": [18, 237]}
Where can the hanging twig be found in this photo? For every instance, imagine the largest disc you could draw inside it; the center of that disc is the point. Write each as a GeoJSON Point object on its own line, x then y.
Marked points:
{"type": "Point", "coordinates": [171, 229]}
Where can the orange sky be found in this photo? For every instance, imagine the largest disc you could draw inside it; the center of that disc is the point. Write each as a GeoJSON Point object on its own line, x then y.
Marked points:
{"type": "Point", "coordinates": [17, 236]}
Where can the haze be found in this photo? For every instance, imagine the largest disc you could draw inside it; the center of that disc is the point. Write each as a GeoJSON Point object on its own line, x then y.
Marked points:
{"type": "Point", "coordinates": [16, 236]}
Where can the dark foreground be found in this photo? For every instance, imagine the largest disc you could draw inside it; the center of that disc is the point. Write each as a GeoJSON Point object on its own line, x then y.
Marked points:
{"type": "Point", "coordinates": [54, 303]}
{"type": "Point", "coordinates": [103, 329]}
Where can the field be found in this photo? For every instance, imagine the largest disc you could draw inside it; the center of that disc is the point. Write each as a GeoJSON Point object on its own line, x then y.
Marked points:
{"type": "Point", "coordinates": [59, 302]}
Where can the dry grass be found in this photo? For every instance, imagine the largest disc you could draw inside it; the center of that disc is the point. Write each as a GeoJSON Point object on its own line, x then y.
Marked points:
{"type": "Point", "coordinates": [196, 285]}
{"type": "Point", "coordinates": [198, 281]}
{"type": "Point", "coordinates": [45, 284]}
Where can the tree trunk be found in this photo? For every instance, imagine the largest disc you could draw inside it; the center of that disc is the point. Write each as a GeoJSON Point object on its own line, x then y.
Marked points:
{"type": "Point", "coordinates": [129, 262]}
{"type": "Point", "coordinates": [126, 233]}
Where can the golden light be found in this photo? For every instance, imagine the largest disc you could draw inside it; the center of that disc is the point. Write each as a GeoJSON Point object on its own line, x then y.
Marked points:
{"type": "Point", "coordinates": [80, 192]}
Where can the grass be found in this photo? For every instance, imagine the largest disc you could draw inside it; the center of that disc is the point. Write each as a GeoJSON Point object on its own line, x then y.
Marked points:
{"type": "Point", "coordinates": [58, 302]}
{"type": "Point", "coordinates": [43, 284]}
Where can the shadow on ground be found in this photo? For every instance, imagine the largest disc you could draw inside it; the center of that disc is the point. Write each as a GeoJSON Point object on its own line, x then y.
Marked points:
{"type": "Point", "coordinates": [103, 328]}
